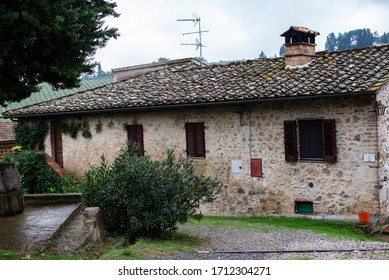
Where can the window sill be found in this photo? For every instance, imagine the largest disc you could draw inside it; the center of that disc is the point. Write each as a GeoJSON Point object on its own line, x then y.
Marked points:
{"type": "Point", "coordinates": [198, 158]}
{"type": "Point", "coordinates": [311, 160]}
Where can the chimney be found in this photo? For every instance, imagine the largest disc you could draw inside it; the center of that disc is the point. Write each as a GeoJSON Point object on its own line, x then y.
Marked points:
{"type": "Point", "coordinates": [299, 46]}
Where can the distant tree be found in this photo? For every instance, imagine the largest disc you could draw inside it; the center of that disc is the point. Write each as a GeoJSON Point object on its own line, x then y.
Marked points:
{"type": "Point", "coordinates": [262, 55]}
{"type": "Point", "coordinates": [162, 59]}
{"type": "Point", "coordinates": [202, 60]}
{"type": "Point", "coordinates": [223, 62]}
{"type": "Point", "coordinates": [363, 38]}
{"type": "Point", "coordinates": [99, 74]}
{"type": "Point", "coordinates": [384, 39]}
{"type": "Point", "coordinates": [99, 71]}
{"type": "Point", "coordinates": [331, 42]}
{"type": "Point", "coordinates": [376, 37]}
{"type": "Point", "coordinates": [282, 50]}
{"type": "Point", "coordinates": [49, 41]}
{"type": "Point", "coordinates": [357, 38]}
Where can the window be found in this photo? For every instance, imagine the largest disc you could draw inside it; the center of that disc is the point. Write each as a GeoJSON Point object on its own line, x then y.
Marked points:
{"type": "Point", "coordinates": [317, 140]}
{"type": "Point", "coordinates": [311, 139]}
{"type": "Point", "coordinates": [135, 135]}
{"type": "Point", "coordinates": [195, 139]}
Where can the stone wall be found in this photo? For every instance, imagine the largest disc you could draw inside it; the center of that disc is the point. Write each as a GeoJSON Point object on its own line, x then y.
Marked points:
{"type": "Point", "coordinates": [255, 131]}
{"type": "Point", "coordinates": [383, 148]}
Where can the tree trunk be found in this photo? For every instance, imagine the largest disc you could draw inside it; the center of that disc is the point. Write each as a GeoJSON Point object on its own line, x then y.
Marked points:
{"type": "Point", "coordinates": [11, 203]}
{"type": "Point", "coordinates": [11, 198]}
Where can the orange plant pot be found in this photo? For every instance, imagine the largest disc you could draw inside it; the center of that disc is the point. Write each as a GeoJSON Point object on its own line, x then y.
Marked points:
{"type": "Point", "coordinates": [364, 218]}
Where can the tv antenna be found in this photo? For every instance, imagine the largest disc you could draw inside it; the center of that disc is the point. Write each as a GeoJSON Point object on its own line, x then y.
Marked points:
{"type": "Point", "coordinates": [198, 42]}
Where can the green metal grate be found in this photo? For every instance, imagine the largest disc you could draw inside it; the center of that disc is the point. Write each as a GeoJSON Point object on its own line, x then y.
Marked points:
{"type": "Point", "coordinates": [304, 207]}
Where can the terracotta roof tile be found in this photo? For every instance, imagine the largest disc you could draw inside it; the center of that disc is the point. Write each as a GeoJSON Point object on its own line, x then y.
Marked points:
{"type": "Point", "coordinates": [7, 131]}
{"type": "Point", "coordinates": [302, 29]}
{"type": "Point", "coordinates": [347, 72]}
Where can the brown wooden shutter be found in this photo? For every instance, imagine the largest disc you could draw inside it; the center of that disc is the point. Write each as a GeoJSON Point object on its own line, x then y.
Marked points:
{"type": "Point", "coordinates": [195, 139]}
{"type": "Point", "coordinates": [290, 136]}
{"type": "Point", "coordinates": [190, 142]}
{"type": "Point", "coordinates": [200, 140]}
{"type": "Point", "coordinates": [329, 140]}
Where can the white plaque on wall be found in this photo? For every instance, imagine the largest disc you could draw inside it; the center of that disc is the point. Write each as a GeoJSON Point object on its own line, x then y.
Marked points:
{"type": "Point", "coordinates": [236, 166]}
{"type": "Point", "coordinates": [369, 158]}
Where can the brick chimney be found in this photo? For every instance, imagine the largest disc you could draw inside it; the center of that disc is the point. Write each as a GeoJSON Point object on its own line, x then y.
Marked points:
{"type": "Point", "coordinates": [300, 47]}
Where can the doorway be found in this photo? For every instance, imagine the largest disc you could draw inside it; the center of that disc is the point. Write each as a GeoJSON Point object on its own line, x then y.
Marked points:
{"type": "Point", "coordinates": [56, 143]}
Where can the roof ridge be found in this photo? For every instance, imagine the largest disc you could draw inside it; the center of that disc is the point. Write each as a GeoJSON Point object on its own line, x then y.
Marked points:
{"type": "Point", "coordinates": [359, 49]}
{"type": "Point", "coordinates": [167, 62]}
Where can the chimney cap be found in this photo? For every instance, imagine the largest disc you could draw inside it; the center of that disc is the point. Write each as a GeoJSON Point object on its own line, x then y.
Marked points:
{"type": "Point", "coordinates": [299, 29]}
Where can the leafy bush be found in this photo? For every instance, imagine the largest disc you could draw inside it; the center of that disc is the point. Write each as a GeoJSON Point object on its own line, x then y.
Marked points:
{"type": "Point", "coordinates": [28, 136]}
{"type": "Point", "coordinates": [70, 184]}
{"type": "Point", "coordinates": [142, 197]}
{"type": "Point", "coordinates": [36, 175]}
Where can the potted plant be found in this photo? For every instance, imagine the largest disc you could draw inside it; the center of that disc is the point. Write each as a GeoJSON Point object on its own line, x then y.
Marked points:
{"type": "Point", "coordinates": [364, 217]}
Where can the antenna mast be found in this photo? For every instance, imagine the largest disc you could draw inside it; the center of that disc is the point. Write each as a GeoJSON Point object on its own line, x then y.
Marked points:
{"type": "Point", "coordinates": [199, 45]}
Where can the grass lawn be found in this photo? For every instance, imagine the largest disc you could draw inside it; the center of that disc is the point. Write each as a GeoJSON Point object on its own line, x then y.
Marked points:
{"type": "Point", "coordinates": [176, 242]}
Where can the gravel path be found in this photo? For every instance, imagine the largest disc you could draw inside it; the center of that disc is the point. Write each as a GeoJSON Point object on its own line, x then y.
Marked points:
{"type": "Point", "coordinates": [245, 244]}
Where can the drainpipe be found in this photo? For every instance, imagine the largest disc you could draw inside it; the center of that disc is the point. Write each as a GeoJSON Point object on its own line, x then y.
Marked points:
{"type": "Point", "coordinates": [379, 155]}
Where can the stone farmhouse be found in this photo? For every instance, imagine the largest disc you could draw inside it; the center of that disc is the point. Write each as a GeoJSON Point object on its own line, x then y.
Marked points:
{"type": "Point", "coordinates": [304, 133]}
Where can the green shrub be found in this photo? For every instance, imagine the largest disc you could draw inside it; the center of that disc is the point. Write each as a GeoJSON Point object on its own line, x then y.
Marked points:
{"type": "Point", "coordinates": [142, 197]}
{"type": "Point", "coordinates": [28, 136]}
{"type": "Point", "coordinates": [36, 176]}
{"type": "Point", "coordinates": [70, 184]}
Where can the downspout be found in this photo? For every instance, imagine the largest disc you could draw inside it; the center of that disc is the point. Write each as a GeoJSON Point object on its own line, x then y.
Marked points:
{"type": "Point", "coordinates": [382, 145]}
{"type": "Point", "coordinates": [250, 146]}
{"type": "Point", "coordinates": [379, 155]}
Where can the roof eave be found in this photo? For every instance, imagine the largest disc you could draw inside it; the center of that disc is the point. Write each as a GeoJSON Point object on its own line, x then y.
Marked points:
{"type": "Point", "coordinates": [191, 105]}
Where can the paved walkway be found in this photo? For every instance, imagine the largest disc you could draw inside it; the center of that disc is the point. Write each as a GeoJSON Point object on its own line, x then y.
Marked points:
{"type": "Point", "coordinates": [35, 225]}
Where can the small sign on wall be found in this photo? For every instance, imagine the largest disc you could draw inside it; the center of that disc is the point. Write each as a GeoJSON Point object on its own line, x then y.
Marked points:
{"type": "Point", "coordinates": [236, 166]}
{"type": "Point", "coordinates": [369, 158]}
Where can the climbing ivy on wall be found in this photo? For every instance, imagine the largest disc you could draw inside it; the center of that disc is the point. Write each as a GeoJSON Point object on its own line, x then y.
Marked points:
{"type": "Point", "coordinates": [29, 135]}
{"type": "Point", "coordinates": [98, 126]}
{"type": "Point", "coordinates": [73, 128]}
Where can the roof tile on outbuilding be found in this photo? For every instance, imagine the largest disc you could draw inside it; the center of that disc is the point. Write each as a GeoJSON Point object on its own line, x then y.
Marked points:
{"type": "Point", "coordinates": [7, 131]}
{"type": "Point", "coordinates": [347, 72]}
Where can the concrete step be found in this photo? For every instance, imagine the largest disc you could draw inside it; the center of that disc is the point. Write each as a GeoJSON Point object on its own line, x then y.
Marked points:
{"type": "Point", "coordinates": [73, 205]}
{"type": "Point", "coordinates": [85, 227]}
{"type": "Point", "coordinates": [57, 222]}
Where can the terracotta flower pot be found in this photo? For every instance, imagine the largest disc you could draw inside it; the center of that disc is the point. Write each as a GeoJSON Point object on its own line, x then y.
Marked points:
{"type": "Point", "coordinates": [364, 218]}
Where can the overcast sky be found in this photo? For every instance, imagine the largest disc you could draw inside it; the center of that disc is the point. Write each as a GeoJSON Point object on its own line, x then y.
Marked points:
{"type": "Point", "coordinates": [238, 29]}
